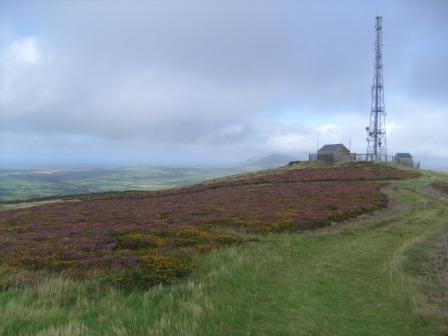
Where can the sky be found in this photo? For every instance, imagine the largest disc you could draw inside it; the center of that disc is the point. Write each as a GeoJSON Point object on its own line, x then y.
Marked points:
{"type": "Point", "coordinates": [208, 83]}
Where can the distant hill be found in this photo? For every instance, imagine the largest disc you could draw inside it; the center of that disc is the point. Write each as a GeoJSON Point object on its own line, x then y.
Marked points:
{"type": "Point", "coordinates": [273, 160]}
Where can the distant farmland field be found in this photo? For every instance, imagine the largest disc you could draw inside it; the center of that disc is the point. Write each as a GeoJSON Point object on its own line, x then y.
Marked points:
{"type": "Point", "coordinates": [27, 184]}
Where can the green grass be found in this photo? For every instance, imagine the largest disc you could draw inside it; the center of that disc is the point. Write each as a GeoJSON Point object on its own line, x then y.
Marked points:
{"type": "Point", "coordinates": [29, 184]}
{"type": "Point", "coordinates": [353, 280]}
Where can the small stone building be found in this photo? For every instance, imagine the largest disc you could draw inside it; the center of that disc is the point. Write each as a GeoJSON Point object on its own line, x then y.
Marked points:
{"type": "Point", "coordinates": [333, 153]}
{"type": "Point", "coordinates": [404, 159]}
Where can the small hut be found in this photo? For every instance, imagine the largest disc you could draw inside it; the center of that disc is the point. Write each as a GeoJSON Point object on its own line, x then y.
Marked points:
{"type": "Point", "coordinates": [333, 153]}
{"type": "Point", "coordinates": [404, 159]}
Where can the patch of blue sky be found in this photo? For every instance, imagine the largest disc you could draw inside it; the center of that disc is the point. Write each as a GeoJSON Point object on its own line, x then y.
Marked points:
{"type": "Point", "coordinates": [17, 19]}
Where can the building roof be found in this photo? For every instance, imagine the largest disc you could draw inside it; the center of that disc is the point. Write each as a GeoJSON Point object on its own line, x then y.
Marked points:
{"type": "Point", "coordinates": [334, 148]}
{"type": "Point", "coordinates": [404, 155]}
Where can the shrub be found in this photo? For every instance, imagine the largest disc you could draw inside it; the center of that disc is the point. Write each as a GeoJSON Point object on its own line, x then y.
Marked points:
{"type": "Point", "coordinates": [191, 236]}
{"type": "Point", "coordinates": [237, 223]}
{"type": "Point", "coordinates": [284, 226]}
{"type": "Point", "coordinates": [50, 262]}
{"type": "Point", "coordinates": [152, 270]}
{"type": "Point", "coordinates": [137, 240]}
{"type": "Point", "coordinates": [168, 267]}
{"type": "Point", "coordinates": [226, 239]}
{"type": "Point", "coordinates": [442, 186]}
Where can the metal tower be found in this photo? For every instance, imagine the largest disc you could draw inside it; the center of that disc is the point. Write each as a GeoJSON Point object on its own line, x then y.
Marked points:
{"type": "Point", "coordinates": [376, 131]}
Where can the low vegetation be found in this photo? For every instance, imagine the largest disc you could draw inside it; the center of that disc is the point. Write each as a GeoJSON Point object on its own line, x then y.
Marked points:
{"type": "Point", "coordinates": [142, 241]}
{"type": "Point", "coordinates": [441, 186]}
{"type": "Point", "coordinates": [363, 277]}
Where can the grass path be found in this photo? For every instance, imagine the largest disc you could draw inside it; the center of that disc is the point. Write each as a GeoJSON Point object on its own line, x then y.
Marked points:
{"type": "Point", "coordinates": [356, 280]}
{"type": "Point", "coordinates": [348, 283]}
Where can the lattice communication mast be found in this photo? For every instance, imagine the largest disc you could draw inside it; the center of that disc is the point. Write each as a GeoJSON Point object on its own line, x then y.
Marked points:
{"type": "Point", "coordinates": [376, 131]}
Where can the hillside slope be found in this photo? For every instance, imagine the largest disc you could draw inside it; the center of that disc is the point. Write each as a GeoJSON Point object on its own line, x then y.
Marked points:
{"type": "Point", "coordinates": [362, 277]}
{"type": "Point", "coordinates": [150, 238]}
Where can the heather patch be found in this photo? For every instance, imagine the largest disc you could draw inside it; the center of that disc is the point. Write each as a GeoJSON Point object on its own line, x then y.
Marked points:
{"type": "Point", "coordinates": [143, 241]}
{"type": "Point", "coordinates": [137, 240]}
{"type": "Point", "coordinates": [360, 171]}
{"type": "Point", "coordinates": [152, 270]}
{"type": "Point", "coordinates": [442, 186]}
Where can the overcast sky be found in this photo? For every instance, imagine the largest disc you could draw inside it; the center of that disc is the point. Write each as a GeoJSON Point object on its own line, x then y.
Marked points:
{"type": "Point", "coordinates": [185, 83]}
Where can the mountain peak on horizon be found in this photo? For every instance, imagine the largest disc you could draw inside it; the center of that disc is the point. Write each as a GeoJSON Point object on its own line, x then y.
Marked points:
{"type": "Point", "coordinates": [274, 160]}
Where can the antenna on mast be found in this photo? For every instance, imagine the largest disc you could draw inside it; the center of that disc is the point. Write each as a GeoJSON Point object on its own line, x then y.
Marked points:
{"type": "Point", "coordinates": [350, 142]}
{"type": "Point", "coordinates": [376, 131]}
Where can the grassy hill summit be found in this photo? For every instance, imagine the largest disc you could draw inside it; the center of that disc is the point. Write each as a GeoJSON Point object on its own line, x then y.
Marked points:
{"type": "Point", "coordinates": [306, 249]}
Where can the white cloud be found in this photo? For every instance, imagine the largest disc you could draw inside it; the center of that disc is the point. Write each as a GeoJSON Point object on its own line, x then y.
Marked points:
{"type": "Point", "coordinates": [19, 60]}
{"type": "Point", "coordinates": [24, 52]}
{"type": "Point", "coordinates": [212, 78]}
